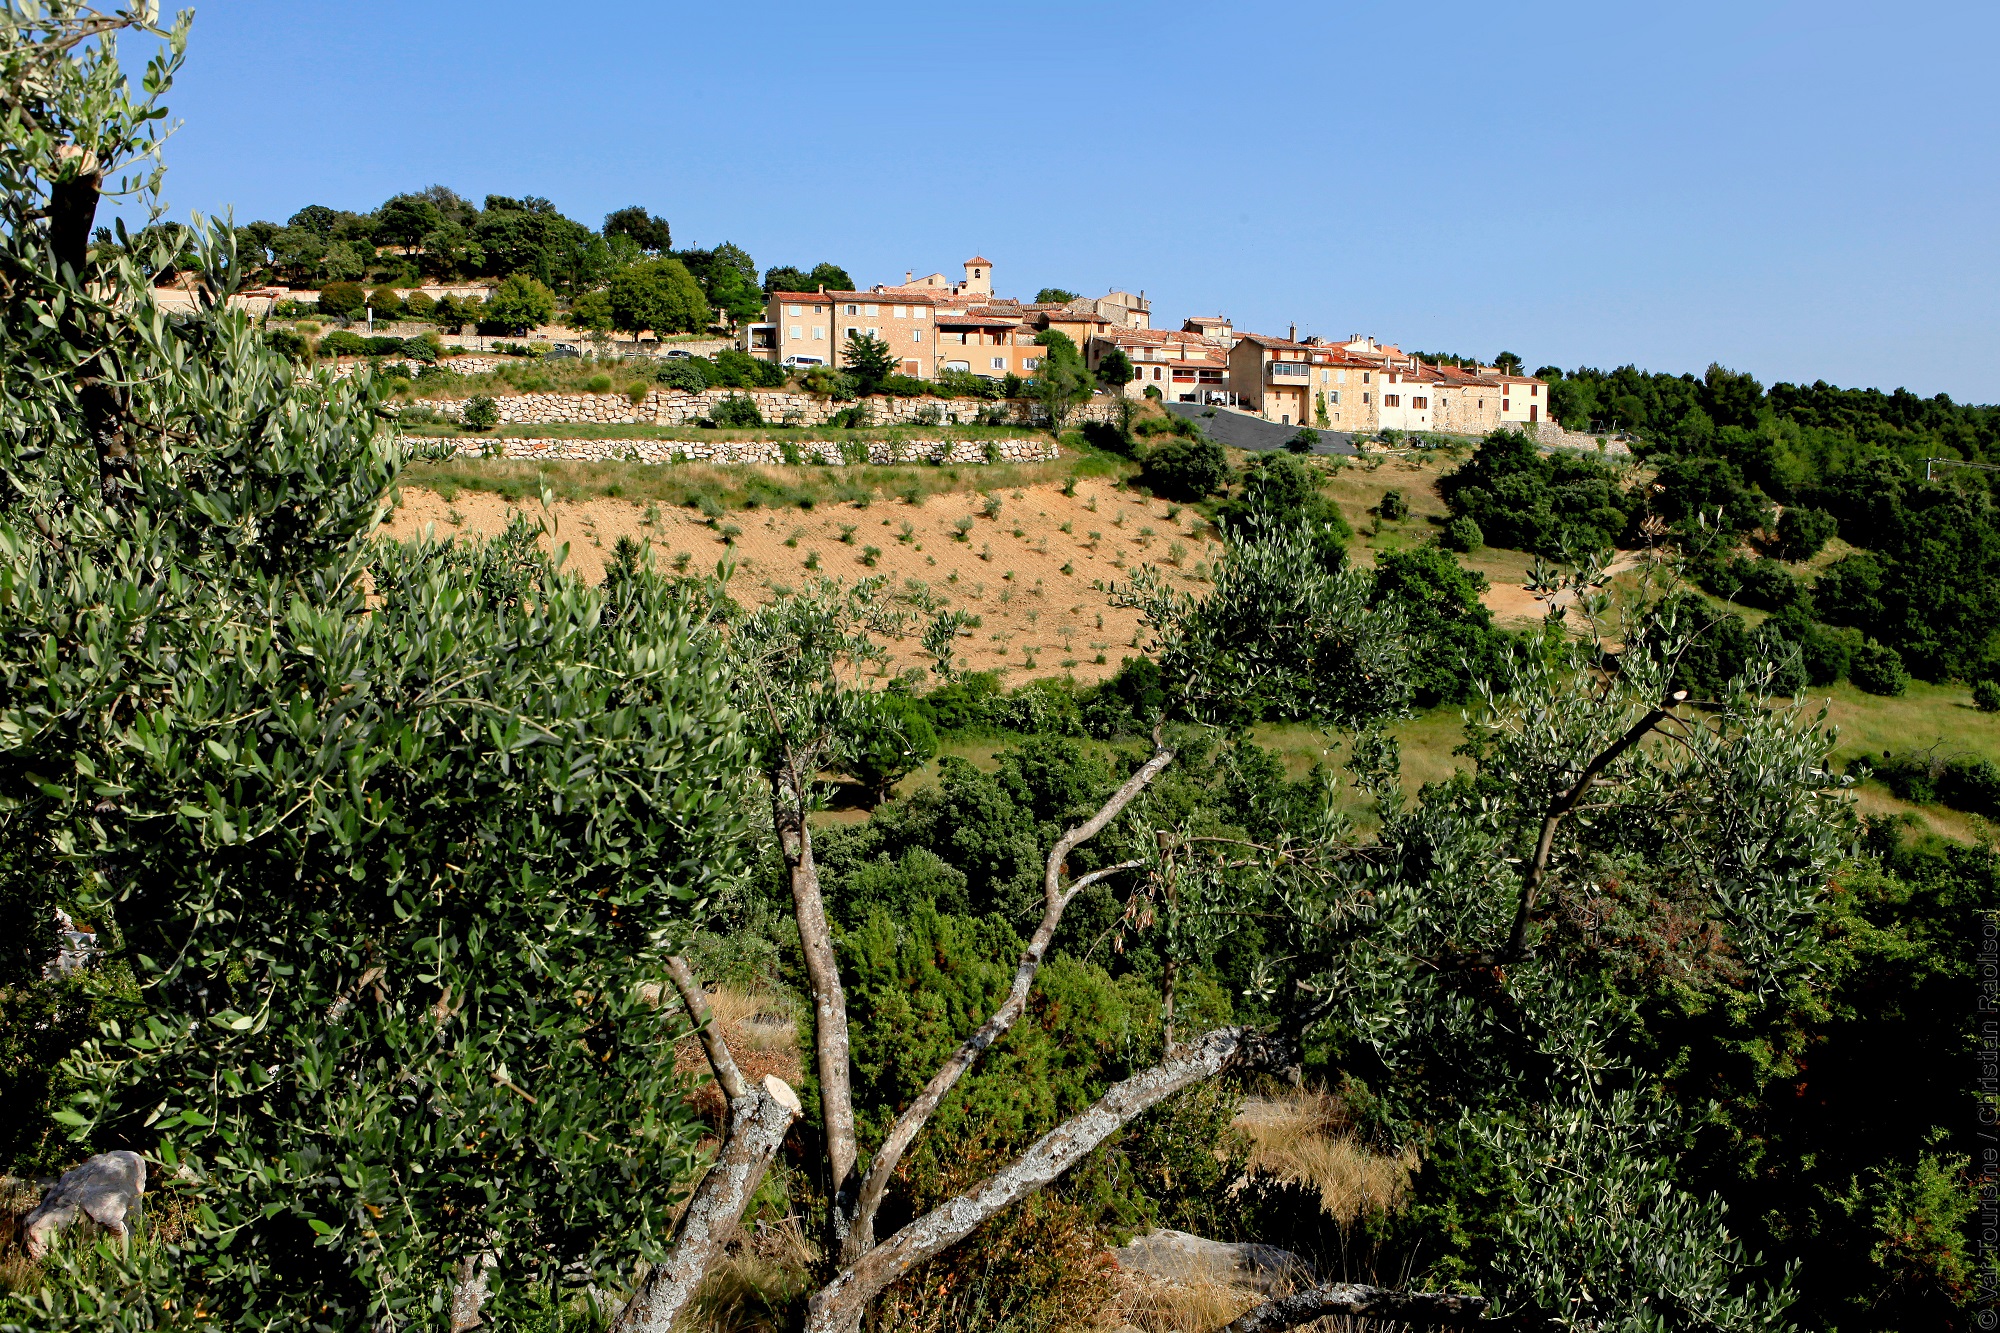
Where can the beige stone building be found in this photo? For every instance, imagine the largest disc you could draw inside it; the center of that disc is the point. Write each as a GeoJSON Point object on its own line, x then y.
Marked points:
{"type": "Point", "coordinates": [1184, 367]}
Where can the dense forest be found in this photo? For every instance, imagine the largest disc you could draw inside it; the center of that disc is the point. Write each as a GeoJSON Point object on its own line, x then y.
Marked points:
{"type": "Point", "coordinates": [1758, 484]}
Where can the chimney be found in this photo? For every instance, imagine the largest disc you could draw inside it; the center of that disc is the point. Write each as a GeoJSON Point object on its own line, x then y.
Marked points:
{"type": "Point", "coordinates": [822, 288]}
{"type": "Point", "coordinates": [1294, 336]}
{"type": "Point", "coordinates": [908, 274]}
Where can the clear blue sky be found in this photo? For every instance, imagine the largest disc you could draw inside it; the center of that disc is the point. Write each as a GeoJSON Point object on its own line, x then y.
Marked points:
{"type": "Point", "coordinates": [1798, 190]}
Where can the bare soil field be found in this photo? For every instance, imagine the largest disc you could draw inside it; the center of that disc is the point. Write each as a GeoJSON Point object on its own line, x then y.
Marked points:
{"type": "Point", "coordinates": [1029, 571]}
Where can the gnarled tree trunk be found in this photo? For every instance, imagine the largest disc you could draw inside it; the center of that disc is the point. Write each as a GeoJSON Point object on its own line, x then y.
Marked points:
{"type": "Point", "coordinates": [838, 1306]}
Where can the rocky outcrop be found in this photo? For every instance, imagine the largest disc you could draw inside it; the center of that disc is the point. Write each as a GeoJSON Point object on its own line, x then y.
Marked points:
{"type": "Point", "coordinates": [108, 1188]}
{"type": "Point", "coordinates": [1178, 1256]}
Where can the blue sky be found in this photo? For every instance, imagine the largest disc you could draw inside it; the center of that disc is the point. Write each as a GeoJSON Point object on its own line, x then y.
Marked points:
{"type": "Point", "coordinates": [1803, 191]}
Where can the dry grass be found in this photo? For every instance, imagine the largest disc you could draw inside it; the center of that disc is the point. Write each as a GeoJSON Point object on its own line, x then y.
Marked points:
{"type": "Point", "coordinates": [763, 1035]}
{"type": "Point", "coordinates": [1301, 1139]}
{"type": "Point", "coordinates": [1157, 1306]}
{"type": "Point", "coordinates": [758, 1286]}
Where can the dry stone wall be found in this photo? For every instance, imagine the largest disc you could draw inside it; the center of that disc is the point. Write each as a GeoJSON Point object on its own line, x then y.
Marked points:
{"type": "Point", "coordinates": [675, 407]}
{"type": "Point", "coordinates": [762, 451]}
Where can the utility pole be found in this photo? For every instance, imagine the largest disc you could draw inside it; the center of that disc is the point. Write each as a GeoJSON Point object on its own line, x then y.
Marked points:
{"type": "Point", "coordinates": [1931, 466]}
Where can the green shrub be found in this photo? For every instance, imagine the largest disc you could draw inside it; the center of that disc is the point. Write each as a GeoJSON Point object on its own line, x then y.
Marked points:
{"type": "Point", "coordinates": [893, 740]}
{"type": "Point", "coordinates": [342, 343]}
{"type": "Point", "coordinates": [1986, 696]}
{"type": "Point", "coordinates": [1303, 441]}
{"type": "Point", "coordinates": [1393, 506]}
{"type": "Point", "coordinates": [1153, 392]}
{"type": "Point", "coordinates": [1803, 533]}
{"type": "Point", "coordinates": [381, 346]}
{"type": "Point", "coordinates": [342, 299]}
{"type": "Point", "coordinates": [1878, 669]}
{"type": "Point", "coordinates": [481, 413]}
{"type": "Point", "coordinates": [597, 384]}
{"type": "Point", "coordinates": [385, 303]}
{"type": "Point", "coordinates": [287, 343]}
{"type": "Point", "coordinates": [637, 391]}
{"type": "Point", "coordinates": [1462, 535]}
{"type": "Point", "coordinates": [1184, 469]}
{"type": "Point", "coordinates": [737, 410]}
{"type": "Point", "coordinates": [689, 376]}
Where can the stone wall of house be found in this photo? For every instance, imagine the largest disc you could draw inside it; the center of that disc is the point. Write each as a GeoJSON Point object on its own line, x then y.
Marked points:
{"type": "Point", "coordinates": [761, 451]}
{"type": "Point", "coordinates": [675, 407]}
{"type": "Point", "coordinates": [1550, 435]}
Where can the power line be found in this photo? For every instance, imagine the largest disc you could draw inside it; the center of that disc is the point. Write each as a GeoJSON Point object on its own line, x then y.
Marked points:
{"type": "Point", "coordinates": [1931, 464]}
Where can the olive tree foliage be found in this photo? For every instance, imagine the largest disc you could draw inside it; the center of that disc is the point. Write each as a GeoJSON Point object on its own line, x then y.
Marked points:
{"type": "Point", "coordinates": [1468, 960]}
{"type": "Point", "coordinates": [393, 841]}
{"type": "Point", "coordinates": [1279, 634]}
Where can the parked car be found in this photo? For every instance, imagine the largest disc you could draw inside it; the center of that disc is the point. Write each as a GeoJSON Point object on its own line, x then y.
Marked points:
{"type": "Point", "coordinates": [804, 361]}
{"type": "Point", "coordinates": [565, 352]}
{"type": "Point", "coordinates": [677, 354]}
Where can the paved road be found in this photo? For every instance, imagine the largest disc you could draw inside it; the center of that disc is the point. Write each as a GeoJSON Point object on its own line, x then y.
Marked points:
{"type": "Point", "coordinates": [1241, 431]}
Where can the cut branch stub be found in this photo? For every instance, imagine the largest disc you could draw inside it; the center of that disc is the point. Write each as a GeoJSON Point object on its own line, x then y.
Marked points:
{"type": "Point", "coordinates": [757, 1124]}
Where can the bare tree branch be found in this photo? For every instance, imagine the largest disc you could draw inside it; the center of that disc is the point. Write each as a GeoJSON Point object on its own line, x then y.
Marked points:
{"type": "Point", "coordinates": [727, 1076]}
{"type": "Point", "coordinates": [1055, 899]}
{"type": "Point", "coordinates": [1360, 1301]}
{"type": "Point", "coordinates": [830, 1037]}
{"type": "Point", "coordinates": [838, 1306]}
{"type": "Point", "coordinates": [1538, 868]}
{"type": "Point", "coordinates": [758, 1119]}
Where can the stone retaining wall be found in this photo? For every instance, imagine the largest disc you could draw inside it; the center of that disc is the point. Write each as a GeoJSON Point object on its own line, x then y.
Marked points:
{"type": "Point", "coordinates": [1550, 435]}
{"type": "Point", "coordinates": [761, 451]}
{"type": "Point", "coordinates": [675, 407]}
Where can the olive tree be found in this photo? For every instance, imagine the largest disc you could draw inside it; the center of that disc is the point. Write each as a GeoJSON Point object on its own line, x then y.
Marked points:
{"type": "Point", "coordinates": [392, 842]}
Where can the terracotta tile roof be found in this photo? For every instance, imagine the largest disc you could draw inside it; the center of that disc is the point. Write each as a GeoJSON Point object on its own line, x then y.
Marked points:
{"type": "Point", "coordinates": [793, 298]}
{"type": "Point", "coordinates": [981, 260]}
{"type": "Point", "coordinates": [1265, 340]}
{"type": "Point", "coordinates": [901, 298]}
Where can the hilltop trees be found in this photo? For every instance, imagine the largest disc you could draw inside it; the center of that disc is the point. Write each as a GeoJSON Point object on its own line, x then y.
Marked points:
{"type": "Point", "coordinates": [658, 294]}
{"type": "Point", "coordinates": [649, 233]}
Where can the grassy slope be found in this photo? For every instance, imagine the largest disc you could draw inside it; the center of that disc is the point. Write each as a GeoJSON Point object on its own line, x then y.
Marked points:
{"type": "Point", "coordinates": [1928, 715]}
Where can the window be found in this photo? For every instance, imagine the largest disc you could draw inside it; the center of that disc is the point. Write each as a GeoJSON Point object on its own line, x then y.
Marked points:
{"type": "Point", "coordinates": [792, 332]}
{"type": "Point", "coordinates": [854, 310]}
{"type": "Point", "coordinates": [1364, 400]}
{"type": "Point", "coordinates": [819, 331]}
{"type": "Point", "coordinates": [874, 332]}
{"type": "Point", "coordinates": [1334, 398]}
{"type": "Point", "coordinates": [794, 311]}
{"type": "Point", "coordinates": [916, 312]}
{"type": "Point", "coordinates": [1156, 372]}
{"type": "Point", "coordinates": [1324, 377]}
{"type": "Point", "coordinates": [1030, 362]}
{"type": "Point", "coordinates": [819, 310]}
{"type": "Point", "coordinates": [1534, 390]}
{"type": "Point", "coordinates": [1505, 406]}
{"type": "Point", "coordinates": [1364, 377]}
{"type": "Point", "coordinates": [1420, 404]}
{"type": "Point", "coordinates": [874, 311]}
{"type": "Point", "coordinates": [901, 312]}
{"type": "Point", "coordinates": [1392, 400]}
{"type": "Point", "coordinates": [999, 363]}
{"type": "Point", "coordinates": [1340, 377]}
{"type": "Point", "coordinates": [913, 368]}
{"type": "Point", "coordinates": [1290, 370]}
{"type": "Point", "coordinates": [916, 335]}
